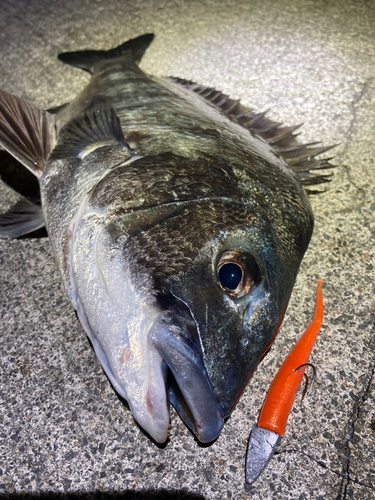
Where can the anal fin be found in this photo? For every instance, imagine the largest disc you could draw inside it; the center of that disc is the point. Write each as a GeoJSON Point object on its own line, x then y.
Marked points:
{"type": "Point", "coordinates": [24, 218]}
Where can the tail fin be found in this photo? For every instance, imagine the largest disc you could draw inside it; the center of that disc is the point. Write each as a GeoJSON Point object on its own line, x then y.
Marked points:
{"type": "Point", "coordinates": [86, 59]}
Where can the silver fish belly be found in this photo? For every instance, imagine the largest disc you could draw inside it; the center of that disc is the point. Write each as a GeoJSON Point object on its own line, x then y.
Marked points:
{"type": "Point", "coordinates": [178, 221]}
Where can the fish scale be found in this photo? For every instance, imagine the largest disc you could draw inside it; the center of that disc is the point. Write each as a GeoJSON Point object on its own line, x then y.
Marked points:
{"type": "Point", "coordinates": [153, 191]}
{"type": "Point", "coordinates": [158, 182]}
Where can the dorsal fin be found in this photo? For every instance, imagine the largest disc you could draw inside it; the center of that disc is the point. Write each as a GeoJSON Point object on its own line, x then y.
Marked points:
{"type": "Point", "coordinates": [87, 59]}
{"type": "Point", "coordinates": [26, 132]}
{"type": "Point", "coordinates": [96, 127]}
{"type": "Point", "coordinates": [300, 157]}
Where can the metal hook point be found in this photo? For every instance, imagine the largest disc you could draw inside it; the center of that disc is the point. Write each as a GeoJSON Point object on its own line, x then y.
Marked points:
{"type": "Point", "coordinates": [312, 380]}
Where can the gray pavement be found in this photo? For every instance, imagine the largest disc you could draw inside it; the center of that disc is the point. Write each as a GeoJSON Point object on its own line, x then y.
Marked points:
{"type": "Point", "coordinates": [62, 428]}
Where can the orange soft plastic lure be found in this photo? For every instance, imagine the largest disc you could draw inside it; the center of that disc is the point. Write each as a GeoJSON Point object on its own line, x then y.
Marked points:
{"type": "Point", "coordinates": [266, 436]}
{"type": "Point", "coordinates": [284, 387]}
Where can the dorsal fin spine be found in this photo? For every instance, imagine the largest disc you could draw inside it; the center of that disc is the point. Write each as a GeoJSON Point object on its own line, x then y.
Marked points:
{"type": "Point", "coordinates": [300, 157]}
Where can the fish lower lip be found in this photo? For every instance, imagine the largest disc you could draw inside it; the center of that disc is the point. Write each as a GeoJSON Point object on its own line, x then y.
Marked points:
{"type": "Point", "coordinates": [191, 394]}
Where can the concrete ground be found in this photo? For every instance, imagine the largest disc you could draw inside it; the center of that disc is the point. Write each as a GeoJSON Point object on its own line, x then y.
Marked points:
{"type": "Point", "coordinates": [62, 428]}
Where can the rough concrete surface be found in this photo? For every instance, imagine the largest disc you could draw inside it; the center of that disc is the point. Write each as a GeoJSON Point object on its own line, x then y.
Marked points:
{"type": "Point", "coordinates": [62, 428]}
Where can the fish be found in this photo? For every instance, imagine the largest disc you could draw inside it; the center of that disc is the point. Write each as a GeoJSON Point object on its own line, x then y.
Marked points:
{"type": "Point", "coordinates": [178, 219]}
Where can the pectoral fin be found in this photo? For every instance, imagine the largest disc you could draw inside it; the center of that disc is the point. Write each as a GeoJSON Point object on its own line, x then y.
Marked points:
{"type": "Point", "coordinates": [26, 132]}
{"type": "Point", "coordinates": [96, 127]}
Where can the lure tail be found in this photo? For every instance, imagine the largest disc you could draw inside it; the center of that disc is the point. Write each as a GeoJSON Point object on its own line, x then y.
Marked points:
{"type": "Point", "coordinates": [283, 390]}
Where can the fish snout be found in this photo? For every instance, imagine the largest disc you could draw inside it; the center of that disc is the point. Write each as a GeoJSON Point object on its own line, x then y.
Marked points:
{"type": "Point", "coordinates": [234, 341]}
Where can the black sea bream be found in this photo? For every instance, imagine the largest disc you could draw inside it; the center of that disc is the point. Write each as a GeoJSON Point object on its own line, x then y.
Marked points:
{"type": "Point", "coordinates": [178, 221]}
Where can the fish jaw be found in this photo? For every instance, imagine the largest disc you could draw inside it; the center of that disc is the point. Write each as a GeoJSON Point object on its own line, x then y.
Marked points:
{"type": "Point", "coordinates": [194, 398]}
{"type": "Point", "coordinates": [147, 398]}
{"type": "Point", "coordinates": [233, 338]}
{"type": "Point", "coordinates": [117, 320]}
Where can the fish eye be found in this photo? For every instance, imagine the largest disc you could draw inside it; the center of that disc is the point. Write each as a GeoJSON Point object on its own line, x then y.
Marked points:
{"type": "Point", "coordinates": [230, 275]}
{"type": "Point", "coordinates": [237, 273]}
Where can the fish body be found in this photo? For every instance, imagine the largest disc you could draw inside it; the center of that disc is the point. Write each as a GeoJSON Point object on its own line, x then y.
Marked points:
{"type": "Point", "coordinates": [178, 231]}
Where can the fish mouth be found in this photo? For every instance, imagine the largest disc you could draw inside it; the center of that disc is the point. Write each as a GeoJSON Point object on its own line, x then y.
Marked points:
{"type": "Point", "coordinates": [161, 364]}
{"type": "Point", "coordinates": [189, 388]}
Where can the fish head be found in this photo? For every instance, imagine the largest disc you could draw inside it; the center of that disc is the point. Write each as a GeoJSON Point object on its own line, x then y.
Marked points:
{"type": "Point", "coordinates": [237, 293]}
{"type": "Point", "coordinates": [182, 298]}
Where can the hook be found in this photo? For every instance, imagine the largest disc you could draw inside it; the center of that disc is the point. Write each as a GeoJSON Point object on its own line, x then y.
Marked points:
{"type": "Point", "coordinates": [312, 380]}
